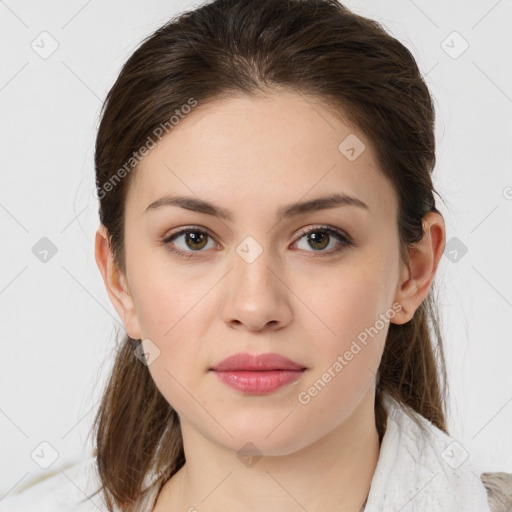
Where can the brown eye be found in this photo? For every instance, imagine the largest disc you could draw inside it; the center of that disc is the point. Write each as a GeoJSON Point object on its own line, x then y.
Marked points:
{"type": "Point", "coordinates": [195, 240]}
{"type": "Point", "coordinates": [187, 241]}
{"type": "Point", "coordinates": [320, 238]}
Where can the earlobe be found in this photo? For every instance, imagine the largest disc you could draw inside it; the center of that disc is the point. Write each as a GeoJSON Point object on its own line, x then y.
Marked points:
{"type": "Point", "coordinates": [416, 279]}
{"type": "Point", "coordinates": [115, 283]}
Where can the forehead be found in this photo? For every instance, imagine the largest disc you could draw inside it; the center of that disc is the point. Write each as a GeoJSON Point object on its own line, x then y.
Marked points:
{"type": "Point", "coordinates": [253, 151]}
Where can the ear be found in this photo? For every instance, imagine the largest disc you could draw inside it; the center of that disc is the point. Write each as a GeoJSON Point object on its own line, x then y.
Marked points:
{"type": "Point", "coordinates": [116, 284]}
{"type": "Point", "coordinates": [416, 279]}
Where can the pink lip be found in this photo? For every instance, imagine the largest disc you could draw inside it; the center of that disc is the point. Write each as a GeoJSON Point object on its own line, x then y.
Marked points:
{"type": "Point", "coordinates": [259, 382]}
{"type": "Point", "coordinates": [257, 374]}
{"type": "Point", "coordinates": [256, 362]}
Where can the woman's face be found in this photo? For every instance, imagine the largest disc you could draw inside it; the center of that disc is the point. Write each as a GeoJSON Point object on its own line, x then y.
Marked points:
{"type": "Point", "coordinates": [254, 281]}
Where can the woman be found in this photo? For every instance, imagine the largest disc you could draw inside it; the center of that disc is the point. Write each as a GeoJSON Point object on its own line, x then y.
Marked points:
{"type": "Point", "coordinates": [269, 237]}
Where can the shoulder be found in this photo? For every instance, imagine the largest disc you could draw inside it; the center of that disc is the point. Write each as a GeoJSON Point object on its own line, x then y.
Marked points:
{"type": "Point", "coordinates": [72, 488]}
{"type": "Point", "coordinates": [499, 490]}
{"type": "Point", "coordinates": [425, 449]}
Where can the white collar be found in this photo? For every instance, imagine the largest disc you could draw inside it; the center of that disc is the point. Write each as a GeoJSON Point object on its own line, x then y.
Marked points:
{"type": "Point", "coordinates": [422, 469]}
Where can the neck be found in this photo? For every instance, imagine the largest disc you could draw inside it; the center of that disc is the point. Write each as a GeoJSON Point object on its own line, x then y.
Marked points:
{"type": "Point", "coordinates": [332, 474]}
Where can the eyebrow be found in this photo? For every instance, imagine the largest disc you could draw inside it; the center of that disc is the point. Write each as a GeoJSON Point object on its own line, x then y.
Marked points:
{"type": "Point", "coordinates": [291, 210]}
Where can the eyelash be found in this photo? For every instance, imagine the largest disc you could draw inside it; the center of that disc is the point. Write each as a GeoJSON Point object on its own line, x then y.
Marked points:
{"type": "Point", "coordinates": [345, 240]}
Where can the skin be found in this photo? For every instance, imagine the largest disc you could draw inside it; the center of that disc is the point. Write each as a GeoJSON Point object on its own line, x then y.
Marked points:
{"type": "Point", "coordinates": [252, 155]}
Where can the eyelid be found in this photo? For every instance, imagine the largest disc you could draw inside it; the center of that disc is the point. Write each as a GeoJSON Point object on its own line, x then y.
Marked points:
{"type": "Point", "coordinates": [302, 231]}
{"type": "Point", "coordinates": [327, 228]}
{"type": "Point", "coordinates": [183, 229]}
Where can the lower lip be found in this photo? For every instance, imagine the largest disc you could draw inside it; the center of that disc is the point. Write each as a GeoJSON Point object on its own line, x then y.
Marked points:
{"type": "Point", "coordinates": [258, 382]}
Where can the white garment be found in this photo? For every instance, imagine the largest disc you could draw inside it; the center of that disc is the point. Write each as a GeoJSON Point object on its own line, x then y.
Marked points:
{"type": "Point", "coordinates": [423, 469]}
{"type": "Point", "coordinates": [419, 470]}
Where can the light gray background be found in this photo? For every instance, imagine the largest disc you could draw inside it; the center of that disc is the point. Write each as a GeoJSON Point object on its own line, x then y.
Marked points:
{"type": "Point", "coordinates": [56, 318]}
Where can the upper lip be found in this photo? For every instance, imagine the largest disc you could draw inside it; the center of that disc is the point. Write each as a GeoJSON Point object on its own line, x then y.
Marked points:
{"type": "Point", "coordinates": [256, 362]}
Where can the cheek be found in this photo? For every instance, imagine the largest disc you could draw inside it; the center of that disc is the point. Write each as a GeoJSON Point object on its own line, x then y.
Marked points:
{"type": "Point", "coordinates": [162, 299]}
{"type": "Point", "coordinates": [347, 302]}
{"type": "Point", "coordinates": [172, 315]}
{"type": "Point", "coordinates": [348, 352]}
{"type": "Point", "coordinates": [349, 327]}
{"type": "Point", "coordinates": [167, 319]}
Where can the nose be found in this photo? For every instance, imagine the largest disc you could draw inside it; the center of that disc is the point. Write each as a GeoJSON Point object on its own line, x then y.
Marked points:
{"type": "Point", "coordinates": [257, 296]}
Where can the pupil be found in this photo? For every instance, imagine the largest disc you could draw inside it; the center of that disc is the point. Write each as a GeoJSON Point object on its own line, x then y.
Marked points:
{"type": "Point", "coordinates": [194, 237]}
{"type": "Point", "coordinates": [315, 237]}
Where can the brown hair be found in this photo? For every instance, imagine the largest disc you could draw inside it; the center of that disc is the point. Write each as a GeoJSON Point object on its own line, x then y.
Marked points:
{"type": "Point", "coordinates": [315, 47]}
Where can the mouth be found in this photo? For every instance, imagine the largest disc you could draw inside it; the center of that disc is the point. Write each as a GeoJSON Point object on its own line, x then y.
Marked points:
{"type": "Point", "coordinates": [257, 373]}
